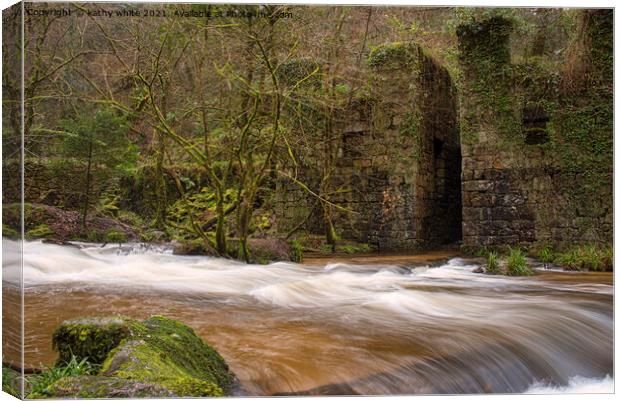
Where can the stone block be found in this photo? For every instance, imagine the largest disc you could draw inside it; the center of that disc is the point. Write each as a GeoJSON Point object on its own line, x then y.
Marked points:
{"type": "Point", "coordinates": [477, 186]}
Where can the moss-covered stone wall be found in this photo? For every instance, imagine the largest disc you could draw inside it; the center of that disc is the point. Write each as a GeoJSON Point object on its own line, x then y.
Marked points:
{"type": "Point", "coordinates": [536, 141]}
{"type": "Point", "coordinates": [396, 167]}
{"type": "Point", "coordinates": [529, 144]}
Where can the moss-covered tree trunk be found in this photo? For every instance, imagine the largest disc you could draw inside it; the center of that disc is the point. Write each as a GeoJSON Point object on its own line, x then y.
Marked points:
{"type": "Point", "coordinates": [160, 192]}
{"type": "Point", "coordinates": [220, 229]}
{"type": "Point", "coordinates": [87, 184]}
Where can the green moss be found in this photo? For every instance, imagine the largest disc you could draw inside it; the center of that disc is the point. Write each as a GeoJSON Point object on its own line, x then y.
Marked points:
{"type": "Point", "coordinates": [169, 353]}
{"type": "Point", "coordinates": [301, 72]}
{"type": "Point", "coordinates": [92, 235]}
{"type": "Point", "coordinates": [101, 387]}
{"type": "Point", "coordinates": [156, 357]}
{"type": "Point", "coordinates": [115, 236]}
{"type": "Point", "coordinates": [34, 215]}
{"type": "Point", "coordinates": [196, 247]}
{"type": "Point", "coordinates": [359, 248]}
{"type": "Point", "coordinates": [40, 231]}
{"type": "Point", "coordinates": [411, 128]}
{"type": "Point", "coordinates": [578, 146]}
{"type": "Point", "coordinates": [130, 218]}
{"type": "Point", "coordinates": [90, 338]}
{"type": "Point", "coordinates": [9, 232]}
{"type": "Point", "coordinates": [10, 382]}
{"type": "Point", "coordinates": [390, 52]}
{"type": "Point", "coordinates": [485, 43]}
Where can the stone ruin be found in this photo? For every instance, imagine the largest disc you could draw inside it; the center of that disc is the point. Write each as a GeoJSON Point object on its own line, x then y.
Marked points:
{"type": "Point", "coordinates": [418, 163]}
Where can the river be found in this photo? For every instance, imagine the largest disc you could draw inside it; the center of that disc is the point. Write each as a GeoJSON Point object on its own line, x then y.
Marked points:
{"type": "Point", "coordinates": [393, 325]}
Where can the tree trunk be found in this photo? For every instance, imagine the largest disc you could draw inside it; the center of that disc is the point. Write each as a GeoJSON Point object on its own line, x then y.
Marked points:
{"type": "Point", "coordinates": [160, 192]}
{"type": "Point", "coordinates": [220, 233]}
{"type": "Point", "coordinates": [330, 232]}
{"type": "Point", "coordinates": [87, 184]}
{"type": "Point", "coordinates": [242, 228]}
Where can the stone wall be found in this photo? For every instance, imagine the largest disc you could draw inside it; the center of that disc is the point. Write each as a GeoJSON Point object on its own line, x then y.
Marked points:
{"type": "Point", "coordinates": [396, 166]}
{"type": "Point", "coordinates": [537, 161]}
{"type": "Point", "coordinates": [528, 159]}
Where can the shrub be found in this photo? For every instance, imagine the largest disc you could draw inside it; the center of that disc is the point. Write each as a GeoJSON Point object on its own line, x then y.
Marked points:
{"type": "Point", "coordinates": [568, 259]}
{"type": "Point", "coordinates": [516, 263]}
{"type": "Point", "coordinates": [586, 257]}
{"type": "Point", "coordinates": [91, 236]}
{"type": "Point", "coordinates": [607, 258]}
{"type": "Point", "coordinates": [115, 236]}
{"type": "Point", "coordinates": [147, 236]}
{"type": "Point", "coordinates": [545, 255]}
{"type": "Point", "coordinates": [350, 249]}
{"type": "Point", "coordinates": [297, 251]}
{"type": "Point", "coordinates": [590, 258]}
{"type": "Point", "coordinates": [130, 218]}
{"type": "Point", "coordinates": [41, 231]}
{"type": "Point", "coordinates": [492, 263]}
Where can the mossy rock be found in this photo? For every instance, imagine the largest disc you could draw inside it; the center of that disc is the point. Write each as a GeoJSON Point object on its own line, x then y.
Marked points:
{"type": "Point", "coordinates": [91, 338]}
{"type": "Point", "coordinates": [8, 232]}
{"type": "Point", "coordinates": [11, 381]}
{"type": "Point", "coordinates": [262, 250]}
{"type": "Point", "coordinates": [101, 387]}
{"type": "Point", "coordinates": [193, 247]}
{"type": "Point", "coordinates": [154, 358]}
{"type": "Point", "coordinates": [40, 231]}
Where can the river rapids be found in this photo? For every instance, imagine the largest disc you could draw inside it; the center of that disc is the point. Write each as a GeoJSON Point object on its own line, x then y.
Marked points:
{"type": "Point", "coordinates": [332, 327]}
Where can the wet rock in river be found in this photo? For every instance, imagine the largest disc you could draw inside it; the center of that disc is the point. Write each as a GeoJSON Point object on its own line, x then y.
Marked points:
{"type": "Point", "coordinates": [479, 269]}
{"type": "Point", "coordinates": [154, 358]}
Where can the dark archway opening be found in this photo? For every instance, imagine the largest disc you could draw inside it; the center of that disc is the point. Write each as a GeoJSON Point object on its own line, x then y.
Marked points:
{"type": "Point", "coordinates": [440, 180]}
{"type": "Point", "coordinates": [445, 222]}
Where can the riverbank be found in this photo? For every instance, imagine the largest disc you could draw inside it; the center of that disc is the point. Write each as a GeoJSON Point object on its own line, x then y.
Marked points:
{"type": "Point", "coordinates": [54, 225]}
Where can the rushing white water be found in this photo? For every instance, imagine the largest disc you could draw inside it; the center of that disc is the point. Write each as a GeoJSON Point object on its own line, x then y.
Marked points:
{"type": "Point", "coordinates": [576, 385]}
{"type": "Point", "coordinates": [443, 329]}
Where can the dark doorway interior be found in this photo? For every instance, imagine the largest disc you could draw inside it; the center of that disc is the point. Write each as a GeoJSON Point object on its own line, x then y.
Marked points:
{"type": "Point", "coordinates": [444, 222]}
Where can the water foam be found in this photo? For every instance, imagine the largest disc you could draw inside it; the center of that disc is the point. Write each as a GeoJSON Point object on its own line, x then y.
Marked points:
{"type": "Point", "coordinates": [509, 329]}
{"type": "Point", "coordinates": [576, 385]}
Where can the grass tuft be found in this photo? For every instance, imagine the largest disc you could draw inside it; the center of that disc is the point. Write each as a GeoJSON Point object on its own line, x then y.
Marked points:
{"type": "Point", "coordinates": [37, 383]}
{"type": "Point", "coordinates": [516, 263]}
{"type": "Point", "coordinates": [492, 263]}
{"type": "Point", "coordinates": [586, 257]}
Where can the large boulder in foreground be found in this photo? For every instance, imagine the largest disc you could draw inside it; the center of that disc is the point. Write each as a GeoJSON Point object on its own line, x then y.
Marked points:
{"type": "Point", "coordinates": [158, 357]}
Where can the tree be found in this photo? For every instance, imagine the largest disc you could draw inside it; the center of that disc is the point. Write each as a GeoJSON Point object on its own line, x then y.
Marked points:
{"type": "Point", "coordinates": [98, 140]}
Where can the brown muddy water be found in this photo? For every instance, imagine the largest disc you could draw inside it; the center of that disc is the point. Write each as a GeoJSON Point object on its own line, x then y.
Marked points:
{"type": "Point", "coordinates": [375, 325]}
